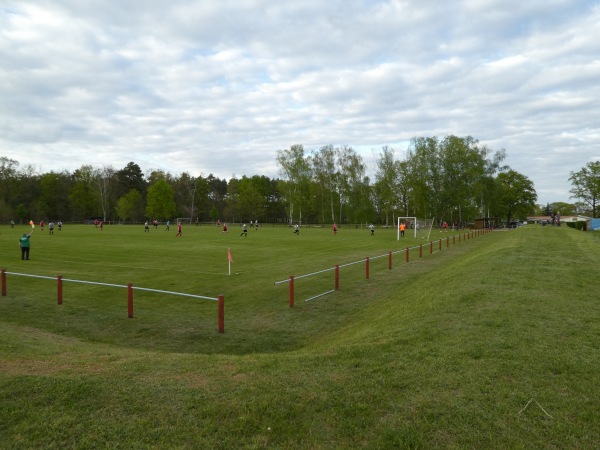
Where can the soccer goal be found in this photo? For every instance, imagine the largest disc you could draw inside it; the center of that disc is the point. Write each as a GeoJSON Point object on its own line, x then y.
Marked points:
{"type": "Point", "coordinates": [187, 220]}
{"type": "Point", "coordinates": [418, 227]}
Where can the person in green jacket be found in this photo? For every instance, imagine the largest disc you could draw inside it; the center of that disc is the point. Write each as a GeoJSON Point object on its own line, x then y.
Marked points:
{"type": "Point", "coordinates": [24, 244]}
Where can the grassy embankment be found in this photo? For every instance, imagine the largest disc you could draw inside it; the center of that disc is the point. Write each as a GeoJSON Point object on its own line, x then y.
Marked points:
{"type": "Point", "coordinates": [444, 351]}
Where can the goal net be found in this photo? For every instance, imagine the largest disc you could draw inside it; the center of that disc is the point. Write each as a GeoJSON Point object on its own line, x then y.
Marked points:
{"type": "Point", "coordinates": [182, 220]}
{"type": "Point", "coordinates": [415, 226]}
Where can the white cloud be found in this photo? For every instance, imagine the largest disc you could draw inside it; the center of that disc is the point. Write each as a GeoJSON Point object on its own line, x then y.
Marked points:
{"type": "Point", "coordinates": [219, 86]}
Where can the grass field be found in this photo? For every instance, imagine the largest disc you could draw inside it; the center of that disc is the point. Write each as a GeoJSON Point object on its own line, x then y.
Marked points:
{"type": "Point", "coordinates": [492, 342]}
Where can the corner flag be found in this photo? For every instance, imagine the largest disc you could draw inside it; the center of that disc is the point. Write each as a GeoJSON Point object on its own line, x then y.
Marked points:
{"type": "Point", "coordinates": [230, 259]}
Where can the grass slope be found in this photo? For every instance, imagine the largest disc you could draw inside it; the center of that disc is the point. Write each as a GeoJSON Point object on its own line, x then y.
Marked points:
{"type": "Point", "coordinates": [444, 351]}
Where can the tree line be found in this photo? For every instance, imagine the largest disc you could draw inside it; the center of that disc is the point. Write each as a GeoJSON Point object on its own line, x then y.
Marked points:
{"type": "Point", "coordinates": [454, 179]}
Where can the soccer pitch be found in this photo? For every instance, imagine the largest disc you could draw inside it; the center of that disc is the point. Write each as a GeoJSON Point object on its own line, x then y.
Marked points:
{"type": "Point", "coordinates": [195, 263]}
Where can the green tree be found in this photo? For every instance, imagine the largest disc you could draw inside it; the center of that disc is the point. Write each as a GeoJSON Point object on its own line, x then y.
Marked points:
{"type": "Point", "coordinates": [425, 176]}
{"type": "Point", "coordinates": [586, 185]}
{"type": "Point", "coordinates": [128, 178]}
{"type": "Point", "coordinates": [130, 207]}
{"type": "Point", "coordinates": [105, 179]}
{"type": "Point", "coordinates": [216, 192]}
{"type": "Point", "coordinates": [214, 213]}
{"type": "Point", "coordinates": [55, 188]}
{"type": "Point", "coordinates": [231, 200]}
{"type": "Point", "coordinates": [84, 197]}
{"type": "Point", "coordinates": [160, 202]}
{"type": "Point", "coordinates": [353, 184]}
{"type": "Point", "coordinates": [8, 187]}
{"type": "Point", "coordinates": [466, 173]}
{"type": "Point", "coordinates": [250, 203]}
{"type": "Point", "coordinates": [295, 170]}
{"type": "Point", "coordinates": [263, 186]}
{"type": "Point", "coordinates": [517, 195]}
{"type": "Point", "coordinates": [185, 188]}
{"type": "Point", "coordinates": [8, 177]}
{"type": "Point", "coordinates": [323, 168]}
{"type": "Point", "coordinates": [385, 184]}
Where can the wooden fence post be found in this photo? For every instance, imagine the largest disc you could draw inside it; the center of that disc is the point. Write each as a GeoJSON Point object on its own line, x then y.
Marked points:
{"type": "Point", "coordinates": [221, 314]}
{"type": "Point", "coordinates": [60, 289]}
{"type": "Point", "coordinates": [130, 300]}
{"type": "Point", "coordinates": [337, 277]}
{"type": "Point", "coordinates": [3, 282]}
{"type": "Point", "coordinates": [291, 291]}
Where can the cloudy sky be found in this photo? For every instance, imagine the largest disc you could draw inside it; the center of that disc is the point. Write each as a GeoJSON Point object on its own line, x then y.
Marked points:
{"type": "Point", "coordinates": [218, 86]}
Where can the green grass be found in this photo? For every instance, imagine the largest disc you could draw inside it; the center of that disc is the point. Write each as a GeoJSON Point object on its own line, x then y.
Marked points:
{"type": "Point", "coordinates": [442, 352]}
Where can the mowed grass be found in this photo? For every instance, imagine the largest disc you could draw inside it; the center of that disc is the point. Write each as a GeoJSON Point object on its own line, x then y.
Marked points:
{"type": "Point", "coordinates": [445, 351]}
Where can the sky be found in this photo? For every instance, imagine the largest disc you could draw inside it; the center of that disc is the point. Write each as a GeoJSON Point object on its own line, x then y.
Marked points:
{"type": "Point", "coordinates": [219, 86]}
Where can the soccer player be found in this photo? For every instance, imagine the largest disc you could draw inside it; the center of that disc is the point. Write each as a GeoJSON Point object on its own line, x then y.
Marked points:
{"type": "Point", "coordinates": [51, 228]}
{"type": "Point", "coordinates": [244, 231]}
{"type": "Point", "coordinates": [297, 229]}
{"type": "Point", "coordinates": [146, 227]}
{"type": "Point", "coordinates": [334, 228]}
{"type": "Point", "coordinates": [168, 225]}
{"type": "Point", "coordinates": [178, 230]}
{"type": "Point", "coordinates": [372, 230]}
{"type": "Point", "coordinates": [402, 228]}
{"type": "Point", "coordinates": [225, 228]}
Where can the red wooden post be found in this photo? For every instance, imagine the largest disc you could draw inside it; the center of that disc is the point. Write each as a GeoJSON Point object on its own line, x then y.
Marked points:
{"type": "Point", "coordinates": [59, 278]}
{"type": "Point", "coordinates": [337, 277]}
{"type": "Point", "coordinates": [3, 282]}
{"type": "Point", "coordinates": [130, 300]}
{"type": "Point", "coordinates": [291, 291]}
{"type": "Point", "coordinates": [367, 268]}
{"type": "Point", "coordinates": [406, 254]}
{"type": "Point", "coordinates": [390, 260]}
{"type": "Point", "coordinates": [221, 313]}
{"type": "Point", "coordinates": [421, 251]}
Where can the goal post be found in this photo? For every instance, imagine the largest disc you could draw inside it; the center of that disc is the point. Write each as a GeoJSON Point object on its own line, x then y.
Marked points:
{"type": "Point", "coordinates": [182, 220]}
{"type": "Point", "coordinates": [411, 223]}
{"type": "Point", "coordinates": [419, 227]}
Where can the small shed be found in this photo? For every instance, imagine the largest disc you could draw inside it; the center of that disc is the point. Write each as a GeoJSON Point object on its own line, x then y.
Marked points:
{"type": "Point", "coordinates": [485, 222]}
